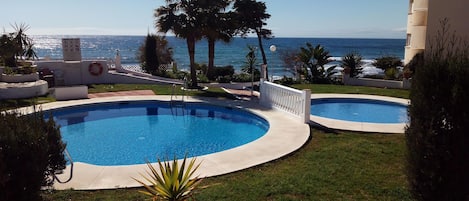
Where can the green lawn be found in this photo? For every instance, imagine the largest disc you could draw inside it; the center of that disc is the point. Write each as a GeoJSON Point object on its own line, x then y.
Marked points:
{"type": "Point", "coordinates": [341, 89]}
{"type": "Point", "coordinates": [341, 166]}
{"type": "Point", "coordinates": [331, 166]}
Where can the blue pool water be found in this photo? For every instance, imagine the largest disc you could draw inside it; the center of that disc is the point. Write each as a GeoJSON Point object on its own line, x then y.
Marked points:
{"type": "Point", "coordinates": [131, 133]}
{"type": "Point", "coordinates": [359, 110]}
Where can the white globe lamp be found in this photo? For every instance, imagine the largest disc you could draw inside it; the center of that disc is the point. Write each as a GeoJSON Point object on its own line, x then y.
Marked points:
{"type": "Point", "coordinates": [273, 48]}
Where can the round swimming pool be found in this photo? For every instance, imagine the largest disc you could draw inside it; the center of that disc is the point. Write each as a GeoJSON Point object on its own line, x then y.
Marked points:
{"type": "Point", "coordinates": [359, 110]}
{"type": "Point", "coordinates": [126, 133]}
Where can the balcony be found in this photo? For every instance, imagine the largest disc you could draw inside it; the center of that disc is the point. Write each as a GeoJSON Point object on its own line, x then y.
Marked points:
{"type": "Point", "coordinates": [419, 18]}
{"type": "Point", "coordinates": [420, 5]}
{"type": "Point", "coordinates": [419, 34]}
{"type": "Point", "coordinates": [410, 53]}
{"type": "Point", "coordinates": [409, 22]}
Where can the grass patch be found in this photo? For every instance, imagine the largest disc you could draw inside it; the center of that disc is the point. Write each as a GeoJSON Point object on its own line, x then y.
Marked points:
{"type": "Point", "coordinates": [343, 166]}
{"type": "Point", "coordinates": [342, 89]}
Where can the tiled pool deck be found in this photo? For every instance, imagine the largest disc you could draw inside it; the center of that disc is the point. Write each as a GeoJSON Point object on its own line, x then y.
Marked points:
{"type": "Point", "coordinates": [286, 134]}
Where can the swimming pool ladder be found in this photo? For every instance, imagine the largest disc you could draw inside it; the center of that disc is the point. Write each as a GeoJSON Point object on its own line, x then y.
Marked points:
{"type": "Point", "coordinates": [71, 169]}
{"type": "Point", "coordinates": [174, 97]}
{"type": "Point", "coordinates": [179, 103]}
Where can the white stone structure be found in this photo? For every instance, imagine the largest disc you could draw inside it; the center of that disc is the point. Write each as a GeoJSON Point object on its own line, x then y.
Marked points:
{"type": "Point", "coordinates": [424, 22]}
{"type": "Point", "coordinates": [71, 49]}
{"type": "Point", "coordinates": [292, 101]}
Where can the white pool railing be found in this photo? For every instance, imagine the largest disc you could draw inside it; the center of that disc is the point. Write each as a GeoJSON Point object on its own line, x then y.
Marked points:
{"type": "Point", "coordinates": [293, 101]}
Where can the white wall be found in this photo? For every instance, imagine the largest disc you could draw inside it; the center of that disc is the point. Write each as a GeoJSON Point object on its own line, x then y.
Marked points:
{"type": "Point", "coordinates": [376, 82]}
{"type": "Point", "coordinates": [75, 72]}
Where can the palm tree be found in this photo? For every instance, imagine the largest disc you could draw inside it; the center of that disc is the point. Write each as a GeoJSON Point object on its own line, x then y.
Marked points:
{"type": "Point", "coordinates": [322, 57]}
{"type": "Point", "coordinates": [353, 61]}
{"type": "Point", "coordinates": [251, 16]}
{"type": "Point", "coordinates": [216, 25]}
{"type": "Point", "coordinates": [305, 57]}
{"type": "Point", "coordinates": [182, 17]}
{"type": "Point", "coordinates": [16, 45]}
{"type": "Point", "coordinates": [315, 58]}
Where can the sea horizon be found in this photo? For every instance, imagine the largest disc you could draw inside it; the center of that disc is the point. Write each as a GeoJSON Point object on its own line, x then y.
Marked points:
{"type": "Point", "coordinates": [282, 37]}
{"type": "Point", "coordinates": [103, 47]}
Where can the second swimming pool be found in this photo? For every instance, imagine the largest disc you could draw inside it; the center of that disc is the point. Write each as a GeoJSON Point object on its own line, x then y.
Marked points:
{"type": "Point", "coordinates": [360, 110]}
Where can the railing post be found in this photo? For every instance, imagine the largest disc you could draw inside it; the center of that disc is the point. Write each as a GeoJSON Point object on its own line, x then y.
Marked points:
{"type": "Point", "coordinates": [307, 105]}
{"type": "Point", "coordinates": [262, 93]}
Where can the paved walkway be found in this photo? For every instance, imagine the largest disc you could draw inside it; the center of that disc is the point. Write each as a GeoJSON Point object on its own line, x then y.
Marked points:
{"type": "Point", "coordinates": [243, 94]}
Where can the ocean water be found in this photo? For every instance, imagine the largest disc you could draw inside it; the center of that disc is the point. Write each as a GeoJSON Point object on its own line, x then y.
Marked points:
{"type": "Point", "coordinates": [233, 53]}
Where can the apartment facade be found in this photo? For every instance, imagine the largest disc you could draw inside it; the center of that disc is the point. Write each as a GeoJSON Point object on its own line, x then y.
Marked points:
{"type": "Point", "coordinates": [424, 22]}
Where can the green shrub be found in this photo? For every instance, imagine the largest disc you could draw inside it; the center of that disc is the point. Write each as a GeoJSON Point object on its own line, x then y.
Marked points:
{"type": "Point", "coordinates": [377, 76]}
{"type": "Point", "coordinates": [224, 71]}
{"type": "Point", "coordinates": [201, 78]}
{"type": "Point", "coordinates": [201, 67]}
{"type": "Point", "coordinates": [171, 181]}
{"type": "Point", "coordinates": [224, 79]}
{"type": "Point", "coordinates": [437, 136]}
{"type": "Point", "coordinates": [353, 61]}
{"type": "Point", "coordinates": [9, 70]}
{"type": "Point", "coordinates": [245, 77]}
{"type": "Point", "coordinates": [31, 150]}
{"type": "Point", "coordinates": [391, 74]}
{"type": "Point", "coordinates": [387, 62]}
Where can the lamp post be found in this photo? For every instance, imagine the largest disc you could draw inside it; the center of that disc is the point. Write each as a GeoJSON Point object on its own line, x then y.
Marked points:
{"type": "Point", "coordinates": [272, 48]}
{"type": "Point", "coordinates": [252, 60]}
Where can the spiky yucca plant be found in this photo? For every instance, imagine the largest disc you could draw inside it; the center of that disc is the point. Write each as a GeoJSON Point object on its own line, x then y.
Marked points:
{"type": "Point", "coordinates": [171, 181]}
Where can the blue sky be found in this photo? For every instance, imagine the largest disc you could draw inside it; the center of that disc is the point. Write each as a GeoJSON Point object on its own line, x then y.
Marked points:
{"type": "Point", "coordinates": [292, 18]}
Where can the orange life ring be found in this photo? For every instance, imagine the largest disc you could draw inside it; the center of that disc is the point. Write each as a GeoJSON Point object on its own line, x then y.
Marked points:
{"type": "Point", "coordinates": [95, 68]}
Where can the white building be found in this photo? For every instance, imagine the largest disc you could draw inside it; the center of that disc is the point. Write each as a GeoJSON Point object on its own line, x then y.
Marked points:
{"type": "Point", "coordinates": [424, 21]}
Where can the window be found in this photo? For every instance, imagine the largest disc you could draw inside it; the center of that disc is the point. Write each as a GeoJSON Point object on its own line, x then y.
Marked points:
{"type": "Point", "coordinates": [407, 43]}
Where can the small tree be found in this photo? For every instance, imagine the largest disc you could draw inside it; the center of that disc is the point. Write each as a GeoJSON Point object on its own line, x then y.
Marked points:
{"type": "Point", "coordinates": [153, 53]}
{"type": "Point", "coordinates": [250, 64]}
{"type": "Point", "coordinates": [353, 61]}
{"type": "Point", "coordinates": [437, 138]}
{"type": "Point", "coordinates": [389, 64]}
{"type": "Point", "coordinates": [31, 151]}
{"type": "Point", "coordinates": [292, 63]}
